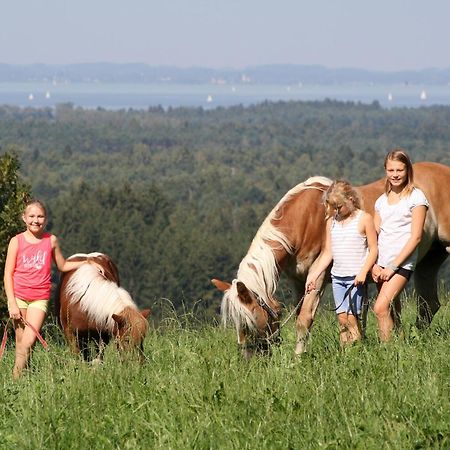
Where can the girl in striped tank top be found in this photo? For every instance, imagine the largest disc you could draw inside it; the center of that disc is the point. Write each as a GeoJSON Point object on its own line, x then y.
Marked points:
{"type": "Point", "coordinates": [351, 244]}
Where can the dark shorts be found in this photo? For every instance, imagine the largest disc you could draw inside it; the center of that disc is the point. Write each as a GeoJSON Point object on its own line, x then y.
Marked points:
{"type": "Point", "coordinates": [403, 272]}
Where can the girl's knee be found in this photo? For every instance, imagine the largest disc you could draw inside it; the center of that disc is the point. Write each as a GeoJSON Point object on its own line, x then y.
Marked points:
{"type": "Point", "coordinates": [26, 343]}
{"type": "Point", "coordinates": [381, 310]}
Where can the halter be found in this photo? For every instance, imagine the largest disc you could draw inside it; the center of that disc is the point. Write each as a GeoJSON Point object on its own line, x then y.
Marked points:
{"type": "Point", "coordinates": [272, 313]}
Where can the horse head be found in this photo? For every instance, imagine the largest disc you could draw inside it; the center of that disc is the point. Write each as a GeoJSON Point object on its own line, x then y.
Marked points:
{"type": "Point", "coordinates": [131, 328]}
{"type": "Point", "coordinates": [257, 321]}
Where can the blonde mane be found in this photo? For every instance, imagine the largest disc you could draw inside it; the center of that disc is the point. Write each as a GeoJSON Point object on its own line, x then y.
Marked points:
{"type": "Point", "coordinates": [87, 286]}
{"type": "Point", "coordinates": [258, 270]}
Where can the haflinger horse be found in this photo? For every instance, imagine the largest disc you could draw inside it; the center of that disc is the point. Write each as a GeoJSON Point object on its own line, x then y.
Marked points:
{"type": "Point", "coordinates": [291, 239]}
{"type": "Point", "coordinates": [92, 307]}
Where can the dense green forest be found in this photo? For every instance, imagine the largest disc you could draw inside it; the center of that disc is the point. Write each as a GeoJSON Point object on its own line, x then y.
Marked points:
{"type": "Point", "coordinates": [175, 196]}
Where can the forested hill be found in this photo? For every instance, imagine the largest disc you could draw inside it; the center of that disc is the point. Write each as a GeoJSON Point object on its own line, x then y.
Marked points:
{"type": "Point", "coordinates": [266, 74]}
{"type": "Point", "coordinates": [175, 196]}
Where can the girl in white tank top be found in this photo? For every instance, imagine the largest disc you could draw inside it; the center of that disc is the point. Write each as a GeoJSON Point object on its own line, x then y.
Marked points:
{"type": "Point", "coordinates": [351, 244]}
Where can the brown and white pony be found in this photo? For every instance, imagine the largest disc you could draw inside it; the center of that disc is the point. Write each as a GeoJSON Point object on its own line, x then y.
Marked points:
{"type": "Point", "coordinates": [291, 239]}
{"type": "Point", "coordinates": [92, 307]}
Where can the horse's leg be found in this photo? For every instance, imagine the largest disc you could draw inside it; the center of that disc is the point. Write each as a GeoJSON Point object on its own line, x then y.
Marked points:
{"type": "Point", "coordinates": [246, 349]}
{"type": "Point", "coordinates": [100, 346]}
{"type": "Point", "coordinates": [305, 317]}
{"type": "Point", "coordinates": [425, 282]}
{"type": "Point", "coordinates": [71, 339]}
{"type": "Point", "coordinates": [396, 313]}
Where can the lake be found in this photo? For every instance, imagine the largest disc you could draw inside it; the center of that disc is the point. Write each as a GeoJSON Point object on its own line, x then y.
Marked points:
{"type": "Point", "coordinates": [208, 96]}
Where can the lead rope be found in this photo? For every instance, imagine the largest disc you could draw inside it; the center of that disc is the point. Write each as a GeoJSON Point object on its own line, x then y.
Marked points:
{"type": "Point", "coordinates": [364, 310]}
{"type": "Point", "coordinates": [361, 321]}
{"type": "Point", "coordinates": [27, 324]}
{"type": "Point", "coordinates": [285, 321]}
{"type": "Point", "coordinates": [4, 339]}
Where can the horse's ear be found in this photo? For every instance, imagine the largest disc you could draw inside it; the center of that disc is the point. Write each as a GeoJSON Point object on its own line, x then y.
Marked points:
{"type": "Point", "coordinates": [244, 295]}
{"type": "Point", "coordinates": [119, 319]}
{"type": "Point", "coordinates": [146, 312]}
{"type": "Point", "coordinates": [221, 285]}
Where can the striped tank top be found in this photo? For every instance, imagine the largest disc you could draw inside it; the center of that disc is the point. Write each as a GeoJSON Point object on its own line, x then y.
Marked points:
{"type": "Point", "coordinates": [348, 247]}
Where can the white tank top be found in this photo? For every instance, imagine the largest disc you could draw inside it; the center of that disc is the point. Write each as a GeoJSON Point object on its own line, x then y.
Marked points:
{"type": "Point", "coordinates": [348, 247]}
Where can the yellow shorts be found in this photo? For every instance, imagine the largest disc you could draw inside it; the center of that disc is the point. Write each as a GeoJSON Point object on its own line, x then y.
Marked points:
{"type": "Point", "coordinates": [39, 304]}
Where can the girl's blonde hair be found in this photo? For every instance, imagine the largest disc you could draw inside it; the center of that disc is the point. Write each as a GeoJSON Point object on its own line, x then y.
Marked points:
{"type": "Point", "coordinates": [399, 154]}
{"type": "Point", "coordinates": [340, 191]}
{"type": "Point", "coordinates": [35, 201]}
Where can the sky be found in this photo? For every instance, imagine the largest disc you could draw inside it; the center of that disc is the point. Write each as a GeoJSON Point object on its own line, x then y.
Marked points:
{"type": "Point", "coordinates": [383, 35]}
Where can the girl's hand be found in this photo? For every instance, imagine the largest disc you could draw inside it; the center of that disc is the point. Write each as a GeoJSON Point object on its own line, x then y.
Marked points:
{"type": "Point", "coordinates": [386, 274]}
{"type": "Point", "coordinates": [360, 279]}
{"type": "Point", "coordinates": [376, 271]}
{"type": "Point", "coordinates": [97, 266]}
{"type": "Point", "coordinates": [310, 284]}
{"type": "Point", "coordinates": [14, 312]}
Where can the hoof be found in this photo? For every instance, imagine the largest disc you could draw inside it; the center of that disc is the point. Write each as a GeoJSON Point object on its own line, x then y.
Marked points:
{"type": "Point", "coordinates": [96, 362]}
{"type": "Point", "coordinates": [300, 348]}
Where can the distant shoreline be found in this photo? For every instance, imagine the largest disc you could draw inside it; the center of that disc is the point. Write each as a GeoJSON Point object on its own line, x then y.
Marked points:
{"type": "Point", "coordinates": [264, 74]}
{"type": "Point", "coordinates": [116, 96]}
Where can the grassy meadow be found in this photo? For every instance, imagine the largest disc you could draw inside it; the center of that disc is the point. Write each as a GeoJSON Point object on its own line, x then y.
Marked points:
{"type": "Point", "coordinates": [195, 391]}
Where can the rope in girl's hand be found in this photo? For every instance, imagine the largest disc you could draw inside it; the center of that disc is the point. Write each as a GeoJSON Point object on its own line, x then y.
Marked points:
{"type": "Point", "coordinates": [4, 339]}
{"type": "Point", "coordinates": [27, 324]}
{"type": "Point", "coordinates": [36, 332]}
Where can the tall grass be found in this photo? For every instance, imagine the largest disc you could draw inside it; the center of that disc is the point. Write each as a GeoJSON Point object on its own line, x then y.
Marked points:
{"type": "Point", "coordinates": [195, 391]}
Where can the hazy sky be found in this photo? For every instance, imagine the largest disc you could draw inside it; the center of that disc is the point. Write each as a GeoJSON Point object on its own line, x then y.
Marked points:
{"type": "Point", "coordinates": [373, 34]}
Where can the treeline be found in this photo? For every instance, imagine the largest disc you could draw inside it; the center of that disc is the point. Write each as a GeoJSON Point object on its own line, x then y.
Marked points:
{"type": "Point", "coordinates": [175, 196]}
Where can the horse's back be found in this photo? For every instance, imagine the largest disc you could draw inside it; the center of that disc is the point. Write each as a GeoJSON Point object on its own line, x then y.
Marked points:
{"type": "Point", "coordinates": [79, 320]}
{"type": "Point", "coordinates": [110, 270]}
{"type": "Point", "coordinates": [434, 180]}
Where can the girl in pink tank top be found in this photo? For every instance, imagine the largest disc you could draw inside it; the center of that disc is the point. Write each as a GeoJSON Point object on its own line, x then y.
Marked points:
{"type": "Point", "coordinates": [27, 278]}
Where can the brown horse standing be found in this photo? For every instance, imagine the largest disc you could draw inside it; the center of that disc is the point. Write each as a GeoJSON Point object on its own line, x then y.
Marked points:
{"type": "Point", "coordinates": [92, 307]}
{"type": "Point", "coordinates": [291, 239]}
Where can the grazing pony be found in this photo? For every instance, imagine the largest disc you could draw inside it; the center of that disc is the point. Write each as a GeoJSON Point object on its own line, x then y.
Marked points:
{"type": "Point", "coordinates": [291, 239]}
{"type": "Point", "coordinates": [92, 307]}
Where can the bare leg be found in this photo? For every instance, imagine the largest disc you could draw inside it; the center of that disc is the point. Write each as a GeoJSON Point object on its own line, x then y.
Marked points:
{"type": "Point", "coordinates": [343, 330]}
{"type": "Point", "coordinates": [25, 338]}
{"type": "Point", "coordinates": [349, 329]}
{"type": "Point", "coordinates": [388, 291]}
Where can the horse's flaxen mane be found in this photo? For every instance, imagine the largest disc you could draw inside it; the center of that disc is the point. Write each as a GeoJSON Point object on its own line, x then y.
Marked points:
{"type": "Point", "coordinates": [85, 255]}
{"type": "Point", "coordinates": [87, 286]}
{"type": "Point", "coordinates": [258, 270]}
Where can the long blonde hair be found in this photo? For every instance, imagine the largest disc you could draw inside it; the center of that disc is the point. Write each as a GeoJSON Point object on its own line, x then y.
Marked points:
{"type": "Point", "coordinates": [399, 154]}
{"type": "Point", "coordinates": [342, 191]}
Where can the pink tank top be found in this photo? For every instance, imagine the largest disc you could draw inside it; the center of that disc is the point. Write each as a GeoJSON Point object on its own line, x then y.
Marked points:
{"type": "Point", "coordinates": [33, 266]}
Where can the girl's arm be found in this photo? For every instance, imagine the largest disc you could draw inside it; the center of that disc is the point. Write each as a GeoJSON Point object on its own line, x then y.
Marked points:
{"type": "Point", "coordinates": [323, 262]}
{"type": "Point", "coordinates": [418, 220]}
{"type": "Point", "coordinates": [372, 247]}
{"type": "Point", "coordinates": [63, 264]}
{"type": "Point", "coordinates": [10, 265]}
{"type": "Point", "coordinates": [377, 222]}
{"type": "Point", "coordinates": [376, 269]}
